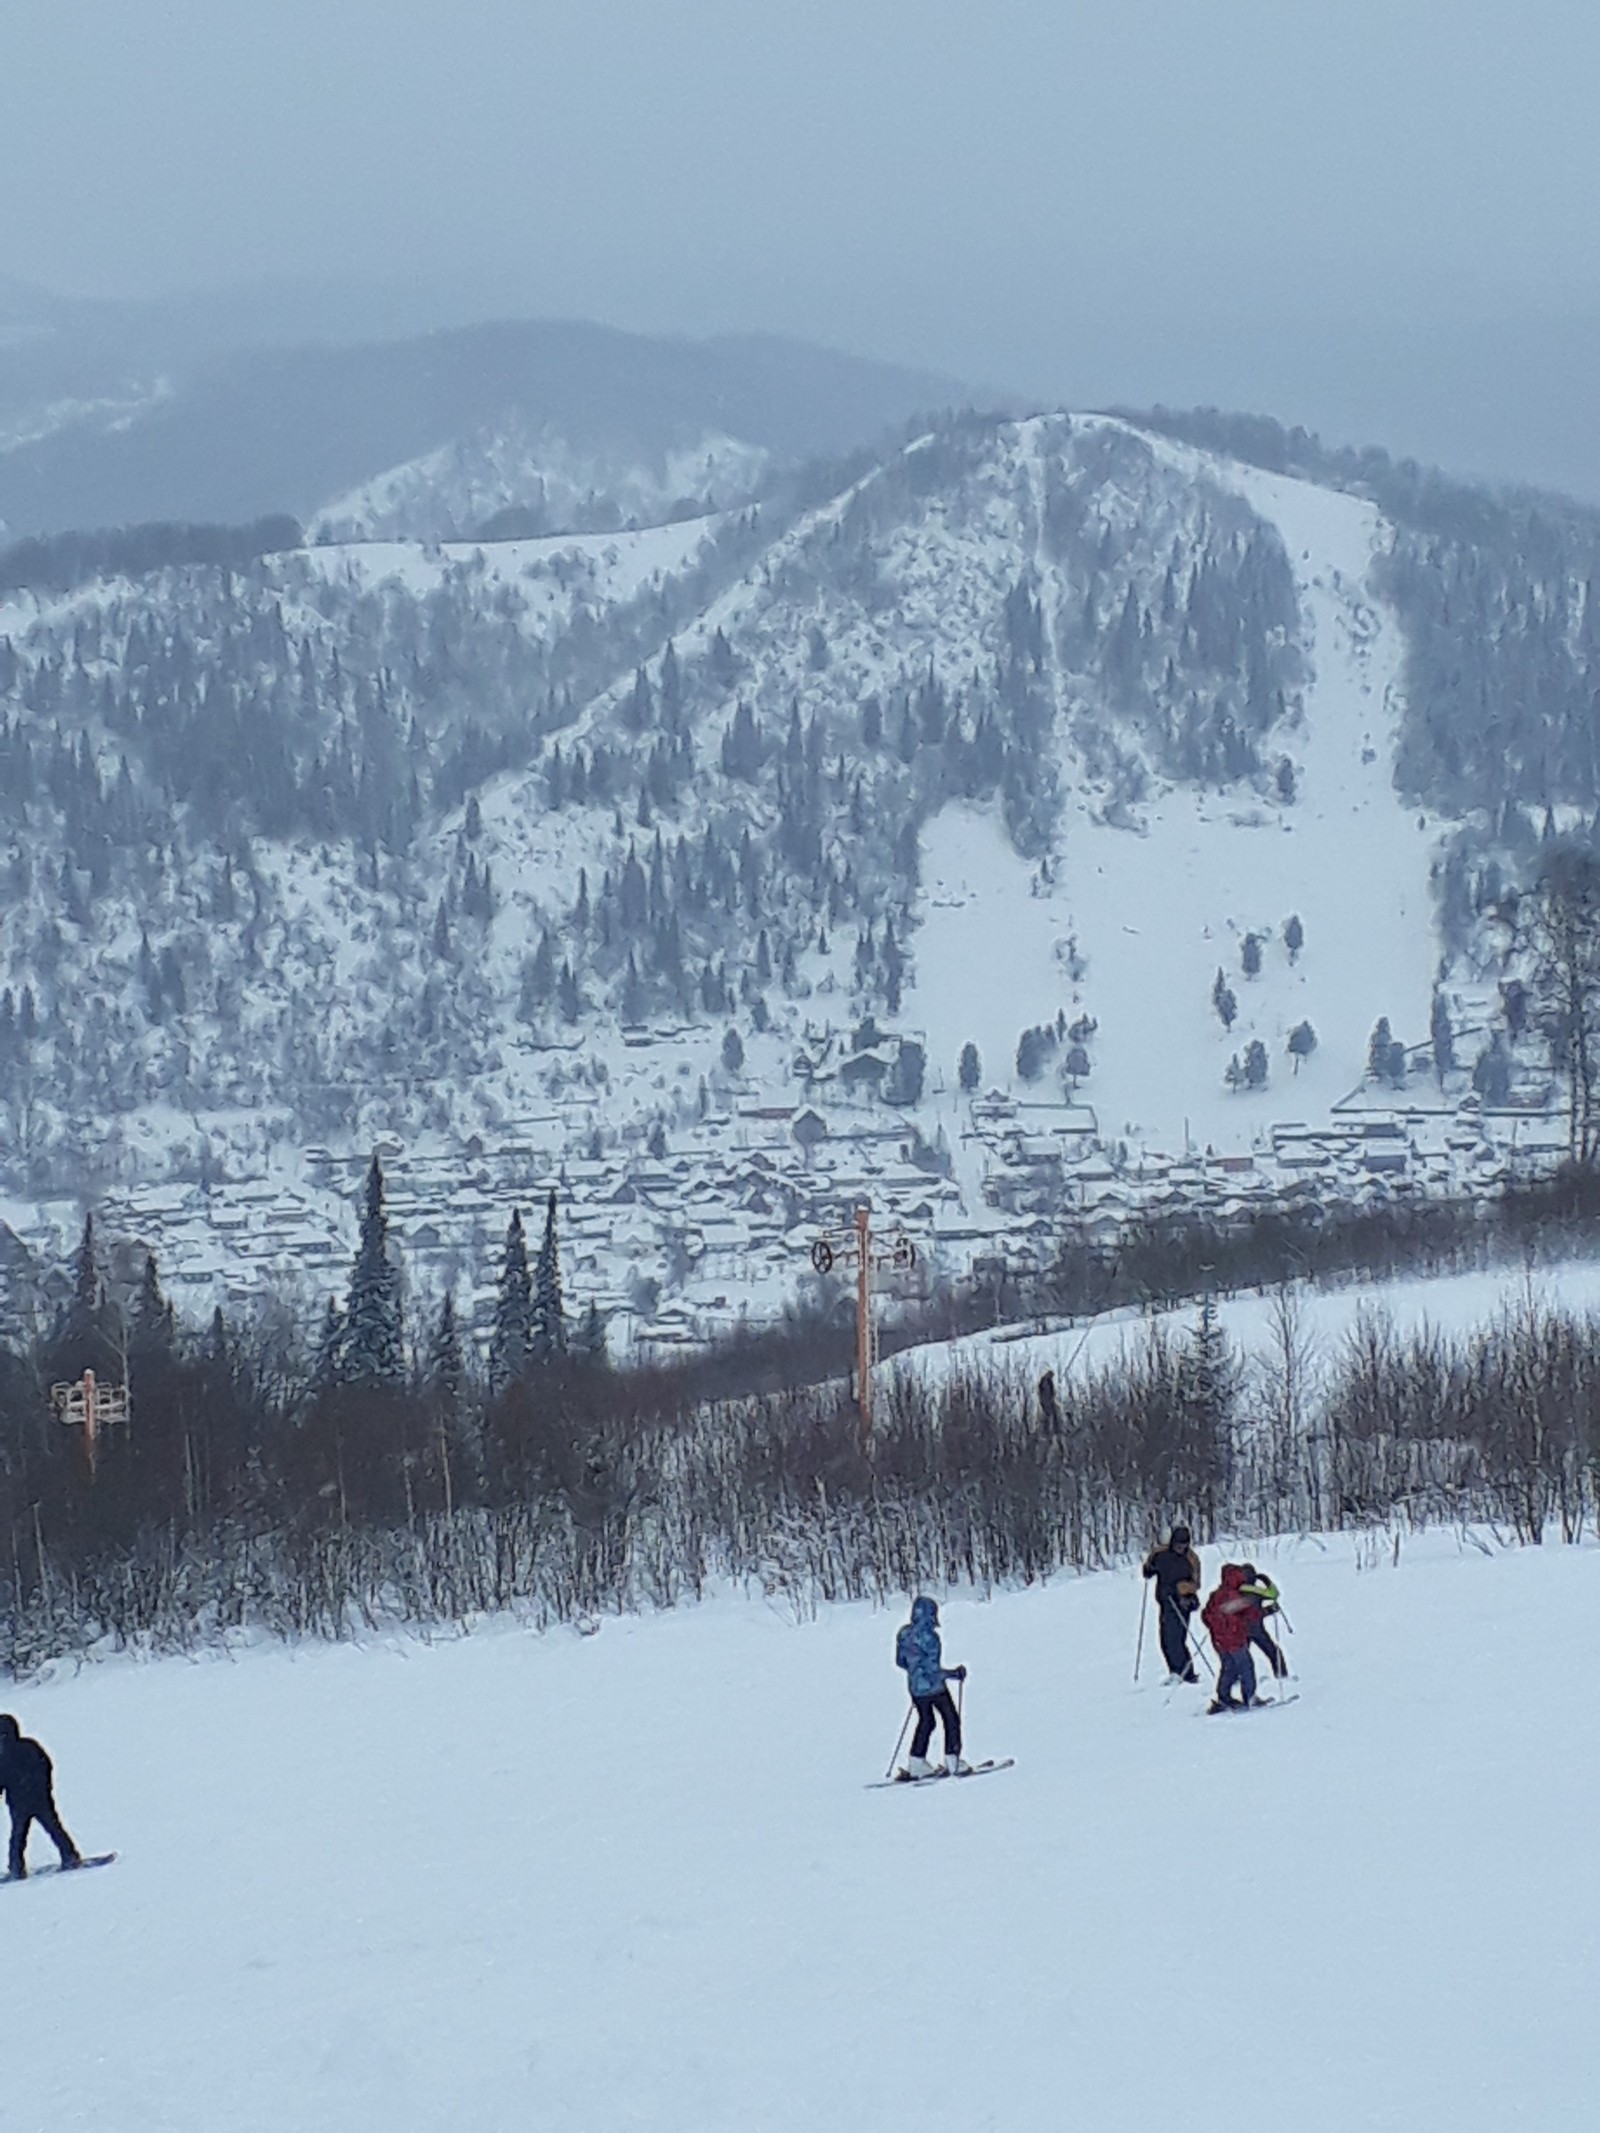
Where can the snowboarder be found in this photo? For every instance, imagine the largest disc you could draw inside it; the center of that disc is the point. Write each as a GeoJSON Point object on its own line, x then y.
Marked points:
{"type": "Point", "coordinates": [1233, 1617]}
{"type": "Point", "coordinates": [26, 1780]}
{"type": "Point", "coordinates": [1176, 1570]}
{"type": "Point", "coordinates": [1258, 1586]}
{"type": "Point", "coordinates": [917, 1651]}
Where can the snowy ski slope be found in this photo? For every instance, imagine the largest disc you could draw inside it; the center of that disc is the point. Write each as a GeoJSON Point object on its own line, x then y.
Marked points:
{"type": "Point", "coordinates": [1156, 910]}
{"type": "Point", "coordinates": [634, 1882]}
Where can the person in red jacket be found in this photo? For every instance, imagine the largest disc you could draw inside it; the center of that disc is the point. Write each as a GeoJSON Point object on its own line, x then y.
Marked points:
{"type": "Point", "coordinates": [1233, 1616]}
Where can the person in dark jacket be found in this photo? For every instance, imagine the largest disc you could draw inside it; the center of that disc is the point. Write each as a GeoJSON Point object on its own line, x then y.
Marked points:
{"type": "Point", "coordinates": [1259, 1587]}
{"type": "Point", "coordinates": [27, 1781]}
{"type": "Point", "coordinates": [1176, 1570]}
{"type": "Point", "coordinates": [917, 1651]}
{"type": "Point", "coordinates": [1233, 1618]}
{"type": "Point", "coordinates": [1049, 1404]}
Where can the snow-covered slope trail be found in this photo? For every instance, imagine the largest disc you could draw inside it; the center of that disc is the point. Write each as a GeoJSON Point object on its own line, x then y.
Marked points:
{"type": "Point", "coordinates": [1154, 909]}
{"type": "Point", "coordinates": [635, 1882]}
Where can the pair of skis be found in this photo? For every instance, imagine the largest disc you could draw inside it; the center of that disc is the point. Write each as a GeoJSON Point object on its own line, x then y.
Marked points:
{"type": "Point", "coordinates": [939, 1777]}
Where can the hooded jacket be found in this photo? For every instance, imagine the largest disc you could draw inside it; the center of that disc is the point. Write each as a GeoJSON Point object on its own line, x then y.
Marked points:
{"type": "Point", "coordinates": [1231, 1615]}
{"type": "Point", "coordinates": [25, 1770]}
{"type": "Point", "coordinates": [918, 1651]}
{"type": "Point", "coordinates": [1177, 1575]}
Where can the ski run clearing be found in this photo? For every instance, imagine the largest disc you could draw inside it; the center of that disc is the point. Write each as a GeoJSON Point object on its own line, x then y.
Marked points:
{"type": "Point", "coordinates": [636, 1880]}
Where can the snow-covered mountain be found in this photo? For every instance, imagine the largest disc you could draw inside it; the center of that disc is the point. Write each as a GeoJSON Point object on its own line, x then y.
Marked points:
{"type": "Point", "coordinates": [632, 856]}
{"type": "Point", "coordinates": [510, 482]}
{"type": "Point", "coordinates": [128, 419]}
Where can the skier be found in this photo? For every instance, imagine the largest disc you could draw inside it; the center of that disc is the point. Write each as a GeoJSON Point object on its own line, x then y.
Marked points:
{"type": "Point", "coordinates": [26, 1781]}
{"type": "Point", "coordinates": [1233, 1617]}
{"type": "Point", "coordinates": [917, 1651]}
{"type": "Point", "coordinates": [1258, 1586]}
{"type": "Point", "coordinates": [1176, 1570]}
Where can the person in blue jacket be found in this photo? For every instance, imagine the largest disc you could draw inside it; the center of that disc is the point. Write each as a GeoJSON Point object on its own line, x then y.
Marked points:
{"type": "Point", "coordinates": [917, 1651]}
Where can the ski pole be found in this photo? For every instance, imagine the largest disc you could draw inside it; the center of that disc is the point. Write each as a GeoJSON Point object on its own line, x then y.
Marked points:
{"type": "Point", "coordinates": [1138, 1650]}
{"type": "Point", "coordinates": [889, 1773]}
{"type": "Point", "coordinates": [1198, 1650]}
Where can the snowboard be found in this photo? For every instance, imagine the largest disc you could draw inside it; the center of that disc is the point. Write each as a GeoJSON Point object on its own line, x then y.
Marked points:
{"type": "Point", "coordinates": [38, 1873]}
{"type": "Point", "coordinates": [904, 1779]}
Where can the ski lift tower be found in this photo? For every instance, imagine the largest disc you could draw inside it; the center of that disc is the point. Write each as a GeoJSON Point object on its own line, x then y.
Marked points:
{"type": "Point", "coordinates": [870, 1255]}
{"type": "Point", "coordinates": [90, 1406]}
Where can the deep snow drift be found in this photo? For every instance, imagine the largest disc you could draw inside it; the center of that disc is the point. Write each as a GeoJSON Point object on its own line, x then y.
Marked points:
{"type": "Point", "coordinates": [634, 1881]}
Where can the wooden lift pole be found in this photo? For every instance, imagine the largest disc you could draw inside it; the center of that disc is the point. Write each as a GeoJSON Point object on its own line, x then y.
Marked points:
{"type": "Point", "coordinates": [858, 1244]}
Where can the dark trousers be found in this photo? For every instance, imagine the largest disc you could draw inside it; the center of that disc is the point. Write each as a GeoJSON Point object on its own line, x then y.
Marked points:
{"type": "Point", "coordinates": [24, 1813]}
{"type": "Point", "coordinates": [1175, 1640]}
{"type": "Point", "coordinates": [944, 1704]}
{"type": "Point", "coordinates": [1265, 1642]}
{"type": "Point", "coordinates": [1237, 1671]}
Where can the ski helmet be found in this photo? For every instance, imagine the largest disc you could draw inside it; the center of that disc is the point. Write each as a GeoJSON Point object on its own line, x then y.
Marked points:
{"type": "Point", "coordinates": [1180, 1536]}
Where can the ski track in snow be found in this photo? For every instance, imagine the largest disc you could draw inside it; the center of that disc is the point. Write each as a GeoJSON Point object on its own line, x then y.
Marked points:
{"type": "Point", "coordinates": [1156, 911]}
{"type": "Point", "coordinates": [636, 1882]}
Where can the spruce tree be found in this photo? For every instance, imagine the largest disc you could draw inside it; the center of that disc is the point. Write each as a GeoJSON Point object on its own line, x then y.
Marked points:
{"type": "Point", "coordinates": [549, 1314]}
{"type": "Point", "coordinates": [374, 1352]}
{"type": "Point", "coordinates": [328, 1365]}
{"type": "Point", "coordinates": [511, 1342]}
{"type": "Point", "coordinates": [154, 1331]}
{"type": "Point", "coordinates": [591, 1338]}
{"type": "Point", "coordinates": [447, 1368]}
{"type": "Point", "coordinates": [84, 1310]}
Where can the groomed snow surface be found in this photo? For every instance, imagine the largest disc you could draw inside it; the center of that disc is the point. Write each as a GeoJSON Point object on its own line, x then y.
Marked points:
{"type": "Point", "coordinates": [634, 1881]}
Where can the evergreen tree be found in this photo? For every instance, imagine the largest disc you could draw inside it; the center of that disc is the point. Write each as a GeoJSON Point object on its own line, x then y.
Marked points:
{"type": "Point", "coordinates": [1255, 1064]}
{"type": "Point", "coordinates": [591, 1339]}
{"type": "Point", "coordinates": [447, 1368]}
{"type": "Point", "coordinates": [374, 1351]}
{"type": "Point", "coordinates": [88, 1330]}
{"type": "Point", "coordinates": [549, 1313]}
{"type": "Point", "coordinates": [1210, 1379]}
{"type": "Point", "coordinates": [1443, 1038]}
{"type": "Point", "coordinates": [1302, 1043]}
{"type": "Point", "coordinates": [1378, 1048]}
{"type": "Point", "coordinates": [154, 1331]}
{"type": "Point", "coordinates": [1032, 1051]}
{"type": "Point", "coordinates": [970, 1071]}
{"type": "Point", "coordinates": [1250, 955]}
{"type": "Point", "coordinates": [1294, 936]}
{"type": "Point", "coordinates": [87, 1291]}
{"type": "Point", "coordinates": [1491, 1073]}
{"type": "Point", "coordinates": [1223, 1000]}
{"type": "Point", "coordinates": [511, 1342]}
{"type": "Point", "coordinates": [328, 1365]}
{"type": "Point", "coordinates": [732, 1052]}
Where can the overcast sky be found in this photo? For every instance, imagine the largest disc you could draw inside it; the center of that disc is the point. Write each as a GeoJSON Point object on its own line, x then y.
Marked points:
{"type": "Point", "coordinates": [1345, 210]}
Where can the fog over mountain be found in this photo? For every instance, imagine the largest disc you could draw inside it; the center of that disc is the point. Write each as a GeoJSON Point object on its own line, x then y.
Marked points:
{"type": "Point", "coordinates": [1374, 221]}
